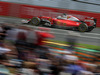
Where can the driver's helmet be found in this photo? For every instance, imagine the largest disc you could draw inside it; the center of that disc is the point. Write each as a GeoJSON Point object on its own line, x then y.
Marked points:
{"type": "Point", "coordinates": [59, 17]}
{"type": "Point", "coordinates": [64, 14]}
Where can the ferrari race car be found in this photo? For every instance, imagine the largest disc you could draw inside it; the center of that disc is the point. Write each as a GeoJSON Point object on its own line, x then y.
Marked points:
{"type": "Point", "coordinates": [87, 25]}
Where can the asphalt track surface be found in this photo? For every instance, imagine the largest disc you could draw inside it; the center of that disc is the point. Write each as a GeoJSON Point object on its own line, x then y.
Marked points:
{"type": "Point", "coordinates": [92, 38]}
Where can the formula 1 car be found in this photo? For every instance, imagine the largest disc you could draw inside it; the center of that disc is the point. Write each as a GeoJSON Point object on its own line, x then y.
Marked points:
{"type": "Point", "coordinates": [87, 25]}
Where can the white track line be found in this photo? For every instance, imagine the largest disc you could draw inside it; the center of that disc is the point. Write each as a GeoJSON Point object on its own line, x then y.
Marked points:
{"type": "Point", "coordinates": [65, 33]}
{"type": "Point", "coordinates": [92, 33]}
{"type": "Point", "coordinates": [79, 36]}
{"type": "Point", "coordinates": [89, 33]}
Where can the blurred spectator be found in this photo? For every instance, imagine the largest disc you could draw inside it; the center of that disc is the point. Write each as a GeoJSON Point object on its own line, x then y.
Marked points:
{"type": "Point", "coordinates": [73, 68]}
{"type": "Point", "coordinates": [1, 29]}
{"type": "Point", "coordinates": [55, 68]}
{"type": "Point", "coordinates": [29, 68]}
{"type": "Point", "coordinates": [97, 70]}
{"type": "Point", "coordinates": [42, 52]}
{"type": "Point", "coordinates": [44, 65]}
{"type": "Point", "coordinates": [12, 34]}
{"type": "Point", "coordinates": [90, 69]}
{"type": "Point", "coordinates": [4, 31]}
{"type": "Point", "coordinates": [84, 73]}
{"type": "Point", "coordinates": [72, 39]}
{"type": "Point", "coordinates": [32, 37]}
{"type": "Point", "coordinates": [70, 57]}
{"type": "Point", "coordinates": [42, 36]}
{"type": "Point", "coordinates": [30, 47]}
{"type": "Point", "coordinates": [21, 40]}
{"type": "Point", "coordinates": [21, 36]}
{"type": "Point", "coordinates": [4, 70]}
{"type": "Point", "coordinates": [3, 52]}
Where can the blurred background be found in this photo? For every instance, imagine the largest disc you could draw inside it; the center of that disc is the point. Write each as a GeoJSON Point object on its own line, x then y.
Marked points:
{"type": "Point", "coordinates": [84, 5]}
{"type": "Point", "coordinates": [34, 50]}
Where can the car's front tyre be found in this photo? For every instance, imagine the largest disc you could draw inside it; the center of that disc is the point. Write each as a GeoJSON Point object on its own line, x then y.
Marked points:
{"type": "Point", "coordinates": [35, 21]}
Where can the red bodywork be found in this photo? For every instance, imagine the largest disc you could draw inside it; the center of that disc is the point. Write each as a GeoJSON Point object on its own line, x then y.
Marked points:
{"type": "Point", "coordinates": [62, 22]}
{"type": "Point", "coordinates": [42, 36]}
{"type": "Point", "coordinates": [89, 21]}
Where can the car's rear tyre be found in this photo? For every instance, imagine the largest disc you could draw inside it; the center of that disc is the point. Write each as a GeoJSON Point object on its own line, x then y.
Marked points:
{"type": "Point", "coordinates": [90, 29]}
{"type": "Point", "coordinates": [35, 21]}
{"type": "Point", "coordinates": [83, 27]}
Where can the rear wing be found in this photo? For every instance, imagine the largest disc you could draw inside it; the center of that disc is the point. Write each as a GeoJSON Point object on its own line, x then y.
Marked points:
{"type": "Point", "coordinates": [92, 21]}
{"type": "Point", "coordinates": [95, 21]}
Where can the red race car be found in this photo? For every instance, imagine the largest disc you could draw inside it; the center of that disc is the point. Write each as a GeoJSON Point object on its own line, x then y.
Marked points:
{"type": "Point", "coordinates": [74, 23]}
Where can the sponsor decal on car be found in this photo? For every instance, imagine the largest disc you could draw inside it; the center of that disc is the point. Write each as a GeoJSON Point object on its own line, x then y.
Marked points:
{"type": "Point", "coordinates": [64, 24]}
{"type": "Point", "coordinates": [49, 19]}
{"type": "Point", "coordinates": [58, 22]}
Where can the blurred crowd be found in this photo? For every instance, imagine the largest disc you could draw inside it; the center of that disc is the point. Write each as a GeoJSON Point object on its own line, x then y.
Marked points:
{"type": "Point", "coordinates": [23, 52]}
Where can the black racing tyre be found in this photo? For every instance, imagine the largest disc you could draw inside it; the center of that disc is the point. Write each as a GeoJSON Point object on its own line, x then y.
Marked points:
{"type": "Point", "coordinates": [35, 21]}
{"type": "Point", "coordinates": [83, 27]}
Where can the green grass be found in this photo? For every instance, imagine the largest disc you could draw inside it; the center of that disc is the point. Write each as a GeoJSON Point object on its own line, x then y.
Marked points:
{"type": "Point", "coordinates": [79, 44]}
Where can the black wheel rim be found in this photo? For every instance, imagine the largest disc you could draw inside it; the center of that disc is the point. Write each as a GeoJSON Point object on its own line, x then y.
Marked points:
{"type": "Point", "coordinates": [35, 21]}
{"type": "Point", "coordinates": [82, 28]}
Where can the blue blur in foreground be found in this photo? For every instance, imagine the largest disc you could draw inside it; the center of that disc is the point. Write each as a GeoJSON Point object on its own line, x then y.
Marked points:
{"type": "Point", "coordinates": [73, 68]}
